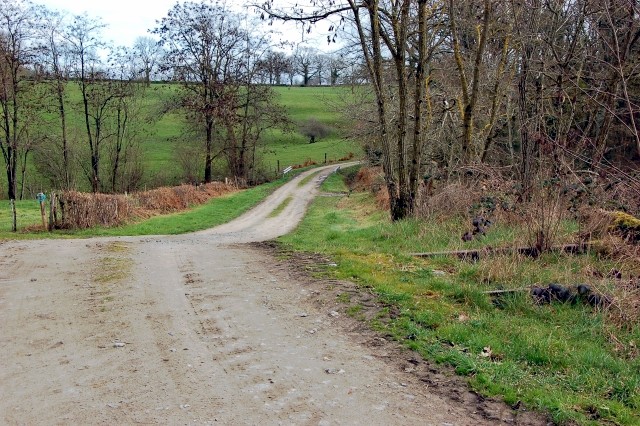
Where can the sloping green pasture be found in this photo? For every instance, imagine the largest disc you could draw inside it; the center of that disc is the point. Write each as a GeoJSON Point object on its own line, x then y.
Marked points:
{"type": "Point", "coordinates": [165, 133]}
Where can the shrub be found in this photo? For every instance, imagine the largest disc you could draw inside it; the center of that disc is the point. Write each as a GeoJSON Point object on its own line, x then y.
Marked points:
{"type": "Point", "coordinates": [82, 210]}
{"type": "Point", "coordinates": [313, 129]}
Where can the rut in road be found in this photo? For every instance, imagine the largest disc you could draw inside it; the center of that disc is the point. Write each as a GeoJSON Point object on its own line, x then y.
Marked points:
{"type": "Point", "coordinates": [194, 329]}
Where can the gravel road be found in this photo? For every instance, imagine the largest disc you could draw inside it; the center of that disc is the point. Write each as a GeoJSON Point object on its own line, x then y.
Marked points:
{"type": "Point", "coordinates": [195, 329]}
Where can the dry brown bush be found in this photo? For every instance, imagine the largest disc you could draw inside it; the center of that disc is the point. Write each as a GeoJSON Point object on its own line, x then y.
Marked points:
{"type": "Point", "coordinates": [307, 163]}
{"type": "Point", "coordinates": [382, 199]}
{"type": "Point", "coordinates": [594, 222]}
{"type": "Point", "coordinates": [368, 179]}
{"type": "Point", "coordinates": [455, 199]}
{"type": "Point", "coordinates": [613, 247]}
{"type": "Point", "coordinates": [347, 157]}
{"type": "Point", "coordinates": [625, 310]}
{"type": "Point", "coordinates": [619, 194]}
{"type": "Point", "coordinates": [82, 210]}
{"type": "Point", "coordinates": [372, 179]}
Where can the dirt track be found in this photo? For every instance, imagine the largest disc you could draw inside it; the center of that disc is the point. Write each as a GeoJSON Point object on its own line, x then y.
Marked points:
{"type": "Point", "coordinates": [198, 329]}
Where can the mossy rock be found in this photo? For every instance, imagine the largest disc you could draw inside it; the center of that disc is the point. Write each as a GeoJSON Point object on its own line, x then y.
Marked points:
{"type": "Point", "coordinates": [626, 225]}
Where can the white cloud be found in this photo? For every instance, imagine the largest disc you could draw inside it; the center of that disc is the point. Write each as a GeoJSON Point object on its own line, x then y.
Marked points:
{"type": "Point", "coordinates": [125, 19]}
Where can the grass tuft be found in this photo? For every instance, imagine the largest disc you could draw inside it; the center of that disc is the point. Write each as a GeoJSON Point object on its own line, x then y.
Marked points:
{"type": "Point", "coordinates": [283, 205]}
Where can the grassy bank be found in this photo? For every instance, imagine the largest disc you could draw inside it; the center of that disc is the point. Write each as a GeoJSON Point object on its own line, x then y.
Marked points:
{"type": "Point", "coordinates": [568, 360]}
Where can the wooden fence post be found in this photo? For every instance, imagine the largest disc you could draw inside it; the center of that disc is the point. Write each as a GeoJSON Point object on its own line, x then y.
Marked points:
{"type": "Point", "coordinates": [41, 199]}
{"type": "Point", "coordinates": [52, 212]}
{"type": "Point", "coordinates": [14, 216]}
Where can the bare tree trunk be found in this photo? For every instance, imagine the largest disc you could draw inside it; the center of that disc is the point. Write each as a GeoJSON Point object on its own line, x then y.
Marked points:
{"type": "Point", "coordinates": [232, 151]}
{"type": "Point", "coordinates": [121, 125]}
{"type": "Point", "coordinates": [23, 172]}
{"type": "Point", "coordinates": [14, 215]}
{"type": "Point", "coordinates": [494, 100]}
{"type": "Point", "coordinates": [420, 99]}
{"type": "Point", "coordinates": [95, 155]}
{"type": "Point", "coordinates": [403, 205]}
{"type": "Point", "coordinates": [60, 86]}
{"type": "Point", "coordinates": [608, 106]}
{"type": "Point", "coordinates": [375, 64]}
{"type": "Point", "coordinates": [526, 152]}
{"type": "Point", "coordinates": [469, 99]}
{"type": "Point", "coordinates": [209, 147]}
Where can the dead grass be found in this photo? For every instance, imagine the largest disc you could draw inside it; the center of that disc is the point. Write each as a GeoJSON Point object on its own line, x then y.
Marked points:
{"type": "Point", "coordinates": [307, 163]}
{"type": "Point", "coordinates": [455, 199]}
{"type": "Point", "coordinates": [82, 210]}
{"type": "Point", "coordinates": [368, 179]}
{"type": "Point", "coordinates": [347, 157]}
{"type": "Point", "coordinates": [177, 198]}
{"type": "Point", "coordinates": [382, 199]}
{"type": "Point", "coordinates": [542, 222]}
{"type": "Point", "coordinates": [372, 179]}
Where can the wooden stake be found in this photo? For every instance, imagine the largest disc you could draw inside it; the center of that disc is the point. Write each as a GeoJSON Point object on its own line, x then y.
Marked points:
{"type": "Point", "coordinates": [14, 226]}
{"type": "Point", "coordinates": [52, 212]}
{"type": "Point", "coordinates": [44, 224]}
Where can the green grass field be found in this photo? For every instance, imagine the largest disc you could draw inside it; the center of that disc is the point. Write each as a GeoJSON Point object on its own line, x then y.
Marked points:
{"type": "Point", "coordinates": [165, 134]}
{"type": "Point", "coordinates": [303, 103]}
{"type": "Point", "coordinates": [291, 148]}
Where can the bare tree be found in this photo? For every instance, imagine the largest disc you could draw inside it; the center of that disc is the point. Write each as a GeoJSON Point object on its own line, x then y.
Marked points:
{"type": "Point", "coordinates": [304, 61]}
{"type": "Point", "coordinates": [470, 89]}
{"type": "Point", "coordinates": [321, 65]}
{"type": "Point", "coordinates": [125, 122]}
{"type": "Point", "coordinates": [55, 57]}
{"type": "Point", "coordinates": [337, 66]}
{"type": "Point", "coordinates": [290, 71]}
{"type": "Point", "coordinates": [404, 31]}
{"type": "Point", "coordinates": [274, 65]}
{"type": "Point", "coordinates": [147, 53]}
{"type": "Point", "coordinates": [256, 107]}
{"type": "Point", "coordinates": [616, 25]}
{"type": "Point", "coordinates": [16, 83]}
{"type": "Point", "coordinates": [202, 45]}
{"type": "Point", "coordinates": [83, 36]}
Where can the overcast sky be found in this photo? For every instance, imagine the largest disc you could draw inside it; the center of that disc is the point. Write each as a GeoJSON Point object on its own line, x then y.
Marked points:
{"type": "Point", "coordinates": [128, 19]}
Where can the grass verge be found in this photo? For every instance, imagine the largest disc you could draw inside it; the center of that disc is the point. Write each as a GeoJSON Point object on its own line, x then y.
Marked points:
{"type": "Point", "coordinates": [567, 360]}
{"type": "Point", "coordinates": [215, 212]}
